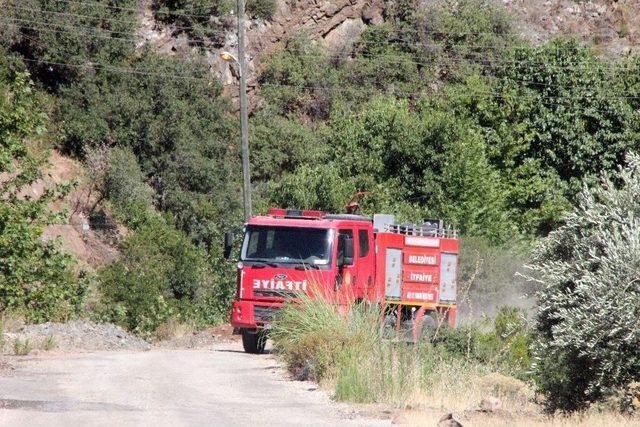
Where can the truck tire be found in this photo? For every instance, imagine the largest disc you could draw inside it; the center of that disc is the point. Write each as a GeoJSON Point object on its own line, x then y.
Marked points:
{"type": "Point", "coordinates": [428, 326]}
{"type": "Point", "coordinates": [253, 341]}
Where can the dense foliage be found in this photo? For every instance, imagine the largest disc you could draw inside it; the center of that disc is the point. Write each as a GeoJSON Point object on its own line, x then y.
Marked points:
{"type": "Point", "coordinates": [160, 276]}
{"type": "Point", "coordinates": [164, 130]}
{"type": "Point", "coordinates": [444, 112]}
{"type": "Point", "coordinates": [588, 343]}
{"type": "Point", "coordinates": [36, 279]}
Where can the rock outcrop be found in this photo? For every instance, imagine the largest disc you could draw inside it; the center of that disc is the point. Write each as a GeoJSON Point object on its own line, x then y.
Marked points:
{"type": "Point", "coordinates": [609, 24]}
{"type": "Point", "coordinates": [337, 22]}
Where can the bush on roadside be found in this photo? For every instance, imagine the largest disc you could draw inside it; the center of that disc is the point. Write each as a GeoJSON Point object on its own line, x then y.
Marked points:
{"type": "Point", "coordinates": [344, 346]}
{"type": "Point", "coordinates": [160, 275]}
{"type": "Point", "coordinates": [502, 343]}
{"type": "Point", "coordinates": [587, 344]}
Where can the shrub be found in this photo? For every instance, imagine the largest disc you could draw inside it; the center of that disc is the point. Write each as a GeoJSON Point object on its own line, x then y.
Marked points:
{"type": "Point", "coordinates": [263, 9]}
{"type": "Point", "coordinates": [312, 334]}
{"type": "Point", "coordinates": [35, 276]}
{"type": "Point", "coordinates": [502, 344]}
{"type": "Point", "coordinates": [124, 185]}
{"type": "Point", "coordinates": [344, 346]}
{"type": "Point", "coordinates": [588, 342]}
{"type": "Point", "coordinates": [160, 275]}
{"type": "Point", "coordinates": [21, 347]}
{"type": "Point", "coordinates": [49, 343]}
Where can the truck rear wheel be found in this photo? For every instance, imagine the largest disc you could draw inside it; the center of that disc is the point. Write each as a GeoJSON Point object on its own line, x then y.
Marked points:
{"type": "Point", "coordinates": [254, 341]}
{"type": "Point", "coordinates": [427, 327]}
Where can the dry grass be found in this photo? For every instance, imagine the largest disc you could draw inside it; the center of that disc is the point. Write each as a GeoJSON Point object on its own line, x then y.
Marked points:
{"type": "Point", "coordinates": [21, 347]}
{"type": "Point", "coordinates": [343, 348]}
{"type": "Point", "coordinates": [521, 419]}
{"type": "Point", "coordinates": [11, 321]}
{"type": "Point", "coordinates": [458, 386]}
{"type": "Point", "coordinates": [49, 343]}
{"type": "Point", "coordinates": [173, 329]}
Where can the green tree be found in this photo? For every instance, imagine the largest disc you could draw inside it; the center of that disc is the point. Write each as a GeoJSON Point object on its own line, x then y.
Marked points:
{"type": "Point", "coordinates": [575, 121]}
{"type": "Point", "coordinates": [588, 341]}
{"type": "Point", "coordinates": [35, 277]}
{"type": "Point", "coordinates": [175, 121]}
{"type": "Point", "coordinates": [51, 34]}
{"type": "Point", "coordinates": [428, 158]}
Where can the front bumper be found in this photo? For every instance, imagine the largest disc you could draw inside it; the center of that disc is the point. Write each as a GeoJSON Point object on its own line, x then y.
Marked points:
{"type": "Point", "coordinates": [253, 314]}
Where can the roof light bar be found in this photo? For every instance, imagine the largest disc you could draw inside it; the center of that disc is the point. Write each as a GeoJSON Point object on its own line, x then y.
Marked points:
{"type": "Point", "coordinates": [296, 213]}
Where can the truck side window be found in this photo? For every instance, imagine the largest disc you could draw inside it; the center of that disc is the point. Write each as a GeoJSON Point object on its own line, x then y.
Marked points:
{"type": "Point", "coordinates": [363, 243]}
{"type": "Point", "coordinates": [348, 233]}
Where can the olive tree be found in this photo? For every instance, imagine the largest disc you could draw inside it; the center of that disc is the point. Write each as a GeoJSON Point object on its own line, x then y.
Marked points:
{"type": "Point", "coordinates": [588, 332]}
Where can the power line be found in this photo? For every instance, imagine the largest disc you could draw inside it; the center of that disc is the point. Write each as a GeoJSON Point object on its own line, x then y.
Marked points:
{"type": "Point", "coordinates": [119, 70]}
{"type": "Point", "coordinates": [477, 57]}
{"type": "Point", "coordinates": [96, 28]}
{"type": "Point", "coordinates": [490, 94]}
{"type": "Point", "coordinates": [396, 91]}
{"type": "Point", "coordinates": [360, 42]}
{"type": "Point", "coordinates": [74, 29]}
{"type": "Point", "coordinates": [106, 18]}
{"type": "Point", "coordinates": [129, 9]}
{"type": "Point", "coordinates": [363, 57]}
{"type": "Point", "coordinates": [523, 82]}
{"type": "Point", "coordinates": [371, 42]}
{"type": "Point", "coordinates": [75, 15]}
{"type": "Point", "coordinates": [293, 86]}
{"type": "Point", "coordinates": [509, 33]}
{"type": "Point", "coordinates": [95, 32]}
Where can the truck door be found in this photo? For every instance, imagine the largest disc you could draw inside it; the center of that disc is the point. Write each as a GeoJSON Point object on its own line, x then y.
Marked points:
{"type": "Point", "coordinates": [347, 275]}
{"type": "Point", "coordinates": [364, 262]}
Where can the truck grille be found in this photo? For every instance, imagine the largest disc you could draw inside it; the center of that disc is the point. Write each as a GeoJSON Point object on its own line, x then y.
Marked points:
{"type": "Point", "coordinates": [264, 314]}
{"type": "Point", "coordinates": [275, 293]}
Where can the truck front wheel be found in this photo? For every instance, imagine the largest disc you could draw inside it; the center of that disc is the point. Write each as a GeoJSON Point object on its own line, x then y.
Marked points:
{"type": "Point", "coordinates": [253, 341]}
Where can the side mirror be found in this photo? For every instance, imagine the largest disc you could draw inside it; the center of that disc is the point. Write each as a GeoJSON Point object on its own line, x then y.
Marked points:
{"type": "Point", "coordinates": [228, 244]}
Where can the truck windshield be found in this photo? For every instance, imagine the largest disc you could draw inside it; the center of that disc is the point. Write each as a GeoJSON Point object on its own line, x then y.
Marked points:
{"type": "Point", "coordinates": [287, 245]}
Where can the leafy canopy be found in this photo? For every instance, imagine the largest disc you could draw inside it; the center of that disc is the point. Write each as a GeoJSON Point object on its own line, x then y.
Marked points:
{"type": "Point", "coordinates": [35, 277]}
{"type": "Point", "coordinates": [588, 340]}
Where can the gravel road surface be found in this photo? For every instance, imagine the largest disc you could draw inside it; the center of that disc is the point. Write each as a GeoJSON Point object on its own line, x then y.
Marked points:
{"type": "Point", "coordinates": [219, 385]}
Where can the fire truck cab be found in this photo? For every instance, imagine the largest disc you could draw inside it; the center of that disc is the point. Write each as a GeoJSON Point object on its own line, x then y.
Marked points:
{"type": "Point", "coordinates": [408, 270]}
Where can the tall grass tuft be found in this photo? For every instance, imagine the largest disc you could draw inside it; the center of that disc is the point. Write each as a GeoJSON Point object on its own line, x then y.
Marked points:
{"type": "Point", "coordinates": [21, 347]}
{"type": "Point", "coordinates": [316, 337]}
{"type": "Point", "coordinates": [344, 346]}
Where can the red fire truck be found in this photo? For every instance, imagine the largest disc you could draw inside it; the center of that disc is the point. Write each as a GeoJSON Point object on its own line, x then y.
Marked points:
{"type": "Point", "coordinates": [409, 270]}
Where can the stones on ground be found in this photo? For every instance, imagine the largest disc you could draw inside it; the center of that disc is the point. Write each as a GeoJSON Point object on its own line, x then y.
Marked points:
{"type": "Point", "coordinates": [490, 404]}
{"type": "Point", "coordinates": [448, 421]}
{"type": "Point", "coordinates": [399, 419]}
{"type": "Point", "coordinates": [79, 335]}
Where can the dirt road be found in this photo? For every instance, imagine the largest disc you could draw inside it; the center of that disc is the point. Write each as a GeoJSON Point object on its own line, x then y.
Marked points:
{"type": "Point", "coordinates": [219, 385]}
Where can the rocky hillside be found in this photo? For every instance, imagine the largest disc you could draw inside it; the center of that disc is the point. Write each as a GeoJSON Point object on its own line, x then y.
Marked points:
{"type": "Point", "coordinates": [612, 26]}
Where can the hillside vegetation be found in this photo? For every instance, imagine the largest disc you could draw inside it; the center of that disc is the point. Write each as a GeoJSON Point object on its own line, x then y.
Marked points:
{"type": "Point", "coordinates": [442, 110]}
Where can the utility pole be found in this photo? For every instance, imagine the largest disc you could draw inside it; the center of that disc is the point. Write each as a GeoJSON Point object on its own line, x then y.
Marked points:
{"type": "Point", "coordinates": [244, 116]}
